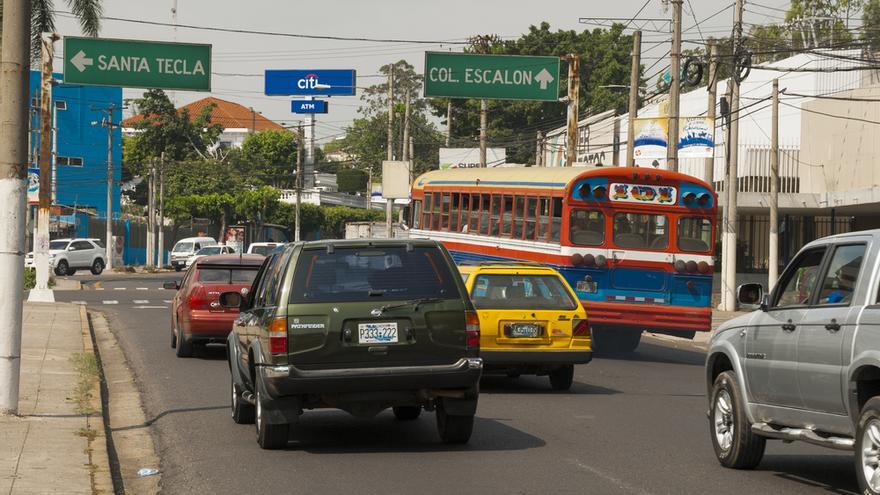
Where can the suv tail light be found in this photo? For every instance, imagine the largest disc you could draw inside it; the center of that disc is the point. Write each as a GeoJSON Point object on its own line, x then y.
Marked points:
{"type": "Point", "coordinates": [472, 329]}
{"type": "Point", "coordinates": [278, 336]}
{"type": "Point", "coordinates": [580, 328]}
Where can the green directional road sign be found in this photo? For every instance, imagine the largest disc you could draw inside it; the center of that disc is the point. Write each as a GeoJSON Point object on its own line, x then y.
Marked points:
{"type": "Point", "coordinates": [137, 64]}
{"type": "Point", "coordinates": [496, 77]}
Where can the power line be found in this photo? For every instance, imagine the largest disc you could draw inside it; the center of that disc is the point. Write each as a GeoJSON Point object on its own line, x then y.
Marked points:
{"type": "Point", "coordinates": [843, 117]}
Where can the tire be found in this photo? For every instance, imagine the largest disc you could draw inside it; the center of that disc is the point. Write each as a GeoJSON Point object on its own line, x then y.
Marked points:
{"type": "Point", "coordinates": [616, 339]}
{"type": "Point", "coordinates": [454, 429]}
{"type": "Point", "coordinates": [97, 266]}
{"type": "Point", "coordinates": [731, 433]}
{"type": "Point", "coordinates": [407, 413]}
{"type": "Point", "coordinates": [62, 268]}
{"type": "Point", "coordinates": [184, 345]}
{"type": "Point", "coordinates": [242, 412]}
{"type": "Point", "coordinates": [71, 271]}
{"type": "Point", "coordinates": [269, 437]}
{"type": "Point", "coordinates": [173, 339]}
{"type": "Point", "coordinates": [867, 447]}
{"type": "Point", "coordinates": [562, 377]}
{"type": "Point", "coordinates": [177, 268]}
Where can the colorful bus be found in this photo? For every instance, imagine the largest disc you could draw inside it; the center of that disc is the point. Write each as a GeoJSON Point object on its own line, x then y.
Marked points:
{"type": "Point", "coordinates": [635, 243]}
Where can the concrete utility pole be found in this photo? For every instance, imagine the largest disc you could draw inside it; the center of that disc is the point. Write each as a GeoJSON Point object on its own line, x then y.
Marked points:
{"type": "Point", "coordinates": [728, 259]}
{"type": "Point", "coordinates": [674, 88]}
{"type": "Point", "coordinates": [14, 102]}
{"type": "Point", "coordinates": [448, 122]}
{"type": "Point", "coordinates": [539, 149]}
{"type": "Point", "coordinates": [41, 291]}
{"type": "Point", "coordinates": [615, 153]}
{"type": "Point", "coordinates": [633, 109]}
{"type": "Point", "coordinates": [405, 145]}
{"type": "Point", "coordinates": [389, 151]}
{"type": "Point", "coordinates": [161, 258]}
{"type": "Point", "coordinates": [109, 233]}
{"type": "Point", "coordinates": [773, 269]}
{"type": "Point", "coordinates": [712, 89]}
{"type": "Point", "coordinates": [151, 216]}
{"type": "Point", "coordinates": [299, 181]}
{"type": "Point", "coordinates": [574, 85]}
{"type": "Point", "coordinates": [484, 124]}
{"type": "Point", "coordinates": [309, 158]}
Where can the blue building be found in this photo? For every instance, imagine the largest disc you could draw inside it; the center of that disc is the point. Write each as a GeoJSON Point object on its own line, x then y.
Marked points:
{"type": "Point", "coordinates": [81, 165]}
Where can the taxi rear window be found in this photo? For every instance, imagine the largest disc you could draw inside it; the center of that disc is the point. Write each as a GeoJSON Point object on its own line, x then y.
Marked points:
{"type": "Point", "coordinates": [520, 292]}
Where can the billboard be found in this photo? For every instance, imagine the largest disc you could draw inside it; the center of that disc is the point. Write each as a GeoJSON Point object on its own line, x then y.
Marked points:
{"type": "Point", "coordinates": [696, 139]}
{"type": "Point", "coordinates": [470, 157]}
{"type": "Point", "coordinates": [311, 82]}
{"type": "Point", "coordinates": [33, 188]}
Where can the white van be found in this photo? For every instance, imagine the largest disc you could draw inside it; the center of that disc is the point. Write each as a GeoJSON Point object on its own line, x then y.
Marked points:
{"type": "Point", "coordinates": [185, 248]}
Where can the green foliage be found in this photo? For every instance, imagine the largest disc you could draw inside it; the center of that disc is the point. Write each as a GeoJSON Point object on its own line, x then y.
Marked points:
{"type": "Point", "coordinates": [335, 218]}
{"type": "Point", "coordinates": [871, 23]}
{"type": "Point", "coordinates": [88, 12]}
{"type": "Point", "coordinates": [351, 180]}
{"type": "Point", "coordinates": [270, 156]}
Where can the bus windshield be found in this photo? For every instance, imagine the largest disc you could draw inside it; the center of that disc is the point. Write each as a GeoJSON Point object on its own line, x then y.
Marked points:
{"type": "Point", "coordinates": [641, 231]}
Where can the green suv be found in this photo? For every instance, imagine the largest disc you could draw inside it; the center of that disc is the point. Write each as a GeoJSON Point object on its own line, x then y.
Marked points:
{"type": "Point", "coordinates": [361, 326]}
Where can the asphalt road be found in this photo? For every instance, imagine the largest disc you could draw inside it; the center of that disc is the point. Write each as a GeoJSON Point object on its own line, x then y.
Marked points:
{"type": "Point", "coordinates": [633, 424]}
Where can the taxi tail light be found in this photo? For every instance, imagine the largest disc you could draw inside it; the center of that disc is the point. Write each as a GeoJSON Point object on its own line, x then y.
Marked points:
{"type": "Point", "coordinates": [278, 336]}
{"type": "Point", "coordinates": [580, 328]}
{"type": "Point", "coordinates": [472, 329]}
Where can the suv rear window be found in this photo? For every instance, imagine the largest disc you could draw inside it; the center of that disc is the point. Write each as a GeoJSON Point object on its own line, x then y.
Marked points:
{"type": "Point", "coordinates": [521, 291]}
{"type": "Point", "coordinates": [243, 275]}
{"type": "Point", "coordinates": [381, 273]}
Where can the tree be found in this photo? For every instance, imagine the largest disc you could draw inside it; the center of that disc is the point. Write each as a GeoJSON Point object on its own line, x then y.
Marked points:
{"type": "Point", "coordinates": [88, 12]}
{"type": "Point", "coordinates": [351, 180]}
{"type": "Point", "coordinates": [871, 23]}
{"type": "Point", "coordinates": [271, 156]}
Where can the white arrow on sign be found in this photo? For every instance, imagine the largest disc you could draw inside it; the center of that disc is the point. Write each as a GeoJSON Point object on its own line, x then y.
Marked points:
{"type": "Point", "coordinates": [81, 62]}
{"type": "Point", "coordinates": [544, 78]}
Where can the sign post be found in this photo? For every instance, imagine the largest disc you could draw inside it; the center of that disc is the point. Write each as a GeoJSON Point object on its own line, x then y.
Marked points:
{"type": "Point", "coordinates": [494, 77]}
{"type": "Point", "coordinates": [137, 64]}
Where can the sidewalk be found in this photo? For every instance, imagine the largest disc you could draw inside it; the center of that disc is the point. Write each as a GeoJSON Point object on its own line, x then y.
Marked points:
{"type": "Point", "coordinates": [57, 443]}
{"type": "Point", "coordinates": [701, 339]}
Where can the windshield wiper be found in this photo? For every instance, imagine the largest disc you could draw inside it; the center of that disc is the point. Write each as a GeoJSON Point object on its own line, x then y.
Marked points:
{"type": "Point", "coordinates": [415, 303]}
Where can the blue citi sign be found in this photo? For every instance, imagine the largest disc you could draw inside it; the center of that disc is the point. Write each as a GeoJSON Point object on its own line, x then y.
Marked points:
{"type": "Point", "coordinates": [308, 106]}
{"type": "Point", "coordinates": [310, 82]}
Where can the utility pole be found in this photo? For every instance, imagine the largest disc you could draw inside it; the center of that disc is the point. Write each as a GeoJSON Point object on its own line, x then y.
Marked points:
{"type": "Point", "coordinates": [253, 120]}
{"type": "Point", "coordinates": [484, 124]}
{"type": "Point", "coordinates": [448, 122]}
{"type": "Point", "coordinates": [712, 89]}
{"type": "Point", "coordinates": [110, 247]}
{"type": "Point", "coordinates": [389, 151]}
{"type": "Point", "coordinates": [41, 291]}
{"type": "Point", "coordinates": [615, 153]}
{"type": "Point", "coordinates": [309, 158]}
{"type": "Point", "coordinates": [574, 83]}
{"type": "Point", "coordinates": [299, 181]}
{"type": "Point", "coordinates": [728, 259]}
{"type": "Point", "coordinates": [151, 217]}
{"type": "Point", "coordinates": [634, 81]}
{"type": "Point", "coordinates": [674, 88]}
{"type": "Point", "coordinates": [405, 151]}
{"type": "Point", "coordinates": [161, 257]}
{"type": "Point", "coordinates": [773, 269]}
{"type": "Point", "coordinates": [539, 149]}
{"type": "Point", "coordinates": [14, 102]}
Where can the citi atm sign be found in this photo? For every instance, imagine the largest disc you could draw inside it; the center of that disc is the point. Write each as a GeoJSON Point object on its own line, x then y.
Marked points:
{"type": "Point", "coordinates": [310, 82]}
{"type": "Point", "coordinates": [308, 106]}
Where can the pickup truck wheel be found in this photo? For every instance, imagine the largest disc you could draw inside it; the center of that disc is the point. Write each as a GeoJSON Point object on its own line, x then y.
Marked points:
{"type": "Point", "coordinates": [868, 448]}
{"type": "Point", "coordinates": [184, 345]}
{"type": "Point", "coordinates": [406, 413]}
{"type": "Point", "coordinates": [735, 445]}
{"type": "Point", "coordinates": [242, 412]}
{"type": "Point", "coordinates": [97, 267]}
{"type": "Point", "coordinates": [270, 437]}
{"type": "Point", "coordinates": [454, 429]}
{"type": "Point", "coordinates": [562, 377]}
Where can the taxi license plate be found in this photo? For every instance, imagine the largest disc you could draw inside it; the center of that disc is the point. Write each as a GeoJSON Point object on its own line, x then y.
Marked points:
{"type": "Point", "coordinates": [377, 333]}
{"type": "Point", "coordinates": [524, 330]}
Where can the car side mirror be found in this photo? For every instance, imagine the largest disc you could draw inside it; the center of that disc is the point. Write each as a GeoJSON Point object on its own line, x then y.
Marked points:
{"type": "Point", "coordinates": [232, 300]}
{"type": "Point", "coordinates": [71, 248]}
{"type": "Point", "coordinates": [751, 296]}
{"type": "Point", "coordinates": [175, 285]}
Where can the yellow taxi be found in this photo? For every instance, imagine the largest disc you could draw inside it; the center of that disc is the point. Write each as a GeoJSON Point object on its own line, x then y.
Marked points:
{"type": "Point", "coordinates": [531, 321]}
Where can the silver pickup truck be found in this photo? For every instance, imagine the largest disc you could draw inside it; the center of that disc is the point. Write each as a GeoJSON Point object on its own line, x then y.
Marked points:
{"type": "Point", "coordinates": [806, 364]}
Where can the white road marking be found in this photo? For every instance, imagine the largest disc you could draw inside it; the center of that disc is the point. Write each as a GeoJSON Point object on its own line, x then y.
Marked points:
{"type": "Point", "coordinates": [143, 288]}
{"type": "Point", "coordinates": [160, 288]}
{"type": "Point", "coordinates": [141, 301]}
{"type": "Point", "coordinates": [120, 288]}
{"type": "Point", "coordinates": [167, 301]}
{"type": "Point", "coordinates": [99, 288]}
{"type": "Point", "coordinates": [109, 302]}
{"type": "Point", "coordinates": [624, 486]}
{"type": "Point", "coordinates": [81, 303]}
{"type": "Point", "coordinates": [150, 307]}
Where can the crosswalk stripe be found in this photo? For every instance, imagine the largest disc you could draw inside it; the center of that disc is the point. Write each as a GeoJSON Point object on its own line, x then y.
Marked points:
{"type": "Point", "coordinates": [120, 288]}
{"type": "Point", "coordinates": [141, 301]}
{"type": "Point", "coordinates": [143, 288]}
{"type": "Point", "coordinates": [110, 302]}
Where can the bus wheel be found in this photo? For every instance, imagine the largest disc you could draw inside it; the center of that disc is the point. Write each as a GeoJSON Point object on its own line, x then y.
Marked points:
{"type": "Point", "coordinates": [616, 339]}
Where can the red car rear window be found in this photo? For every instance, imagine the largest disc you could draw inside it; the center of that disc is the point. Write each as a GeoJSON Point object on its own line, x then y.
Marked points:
{"type": "Point", "coordinates": [242, 275]}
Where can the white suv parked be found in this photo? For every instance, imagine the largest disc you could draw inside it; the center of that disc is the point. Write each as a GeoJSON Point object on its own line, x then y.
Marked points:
{"type": "Point", "coordinates": [66, 256]}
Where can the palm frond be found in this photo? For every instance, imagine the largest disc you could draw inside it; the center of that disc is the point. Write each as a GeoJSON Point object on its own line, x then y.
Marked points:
{"type": "Point", "coordinates": [89, 13]}
{"type": "Point", "coordinates": [42, 21]}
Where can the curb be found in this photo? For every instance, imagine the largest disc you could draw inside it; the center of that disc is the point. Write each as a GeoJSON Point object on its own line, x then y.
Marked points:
{"type": "Point", "coordinates": [677, 342]}
{"type": "Point", "coordinates": [129, 441]}
{"type": "Point", "coordinates": [99, 458]}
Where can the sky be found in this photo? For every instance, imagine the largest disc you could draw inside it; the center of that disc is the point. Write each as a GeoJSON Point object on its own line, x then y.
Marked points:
{"type": "Point", "coordinates": [239, 60]}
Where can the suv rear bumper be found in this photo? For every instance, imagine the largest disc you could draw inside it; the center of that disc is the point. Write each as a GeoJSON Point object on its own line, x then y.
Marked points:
{"type": "Point", "coordinates": [536, 357]}
{"type": "Point", "coordinates": [289, 380]}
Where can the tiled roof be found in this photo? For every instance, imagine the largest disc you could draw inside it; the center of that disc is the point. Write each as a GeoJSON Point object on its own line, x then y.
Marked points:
{"type": "Point", "coordinates": [226, 113]}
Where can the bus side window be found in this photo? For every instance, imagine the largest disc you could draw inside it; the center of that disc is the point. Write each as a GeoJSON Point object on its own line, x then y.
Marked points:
{"type": "Point", "coordinates": [518, 210]}
{"type": "Point", "coordinates": [531, 217]}
{"type": "Point", "coordinates": [543, 218]}
{"type": "Point", "coordinates": [426, 211]}
{"type": "Point", "coordinates": [495, 221]}
{"type": "Point", "coordinates": [485, 204]}
{"type": "Point", "coordinates": [556, 220]}
{"type": "Point", "coordinates": [507, 216]}
{"type": "Point", "coordinates": [416, 214]}
{"type": "Point", "coordinates": [444, 211]}
{"type": "Point", "coordinates": [474, 222]}
{"type": "Point", "coordinates": [435, 213]}
{"type": "Point", "coordinates": [465, 212]}
{"type": "Point", "coordinates": [454, 212]}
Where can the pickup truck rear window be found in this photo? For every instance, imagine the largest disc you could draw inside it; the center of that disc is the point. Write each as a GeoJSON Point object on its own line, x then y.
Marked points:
{"type": "Point", "coordinates": [362, 274]}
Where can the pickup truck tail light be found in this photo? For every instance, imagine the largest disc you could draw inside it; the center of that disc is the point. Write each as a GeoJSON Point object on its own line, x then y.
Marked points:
{"type": "Point", "coordinates": [278, 336]}
{"type": "Point", "coordinates": [472, 329]}
{"type": "Point", "coordinates": [580, 328]}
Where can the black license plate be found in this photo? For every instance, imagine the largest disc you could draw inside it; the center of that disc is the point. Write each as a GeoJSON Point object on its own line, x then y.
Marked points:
{"type": "Point", "coordinates": [524, 330]}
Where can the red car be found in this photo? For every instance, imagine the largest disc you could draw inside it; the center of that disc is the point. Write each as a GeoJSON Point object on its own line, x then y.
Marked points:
{"type": "Point", "coordinates": [196, 314]}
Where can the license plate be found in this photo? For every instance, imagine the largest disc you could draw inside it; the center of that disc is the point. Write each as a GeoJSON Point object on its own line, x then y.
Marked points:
{"type": "Point", "coordinates": [524, 330]}
{"type": "Point", "coordinates": [377, 333]}
{"type": "Point", "coordinates": [587, 286]}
